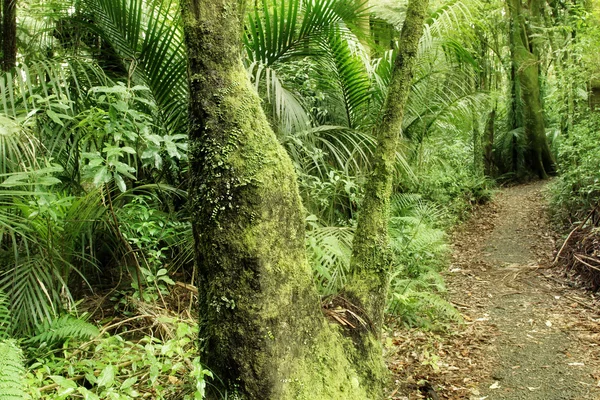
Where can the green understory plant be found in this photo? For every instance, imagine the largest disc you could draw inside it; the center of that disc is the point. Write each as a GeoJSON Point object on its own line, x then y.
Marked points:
{"type": "Point", "coordinates": [577, 189]}
{"type": "Point", "coordinates": [117, 367]}
{"type": "Point", "coordinates": [420, 254]}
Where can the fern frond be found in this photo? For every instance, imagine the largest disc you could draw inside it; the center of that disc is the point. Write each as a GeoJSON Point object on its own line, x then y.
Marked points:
{"type": "Point", "coordinates": [11, 371]}
{"type": "Point", "coordinates": [64, 328]}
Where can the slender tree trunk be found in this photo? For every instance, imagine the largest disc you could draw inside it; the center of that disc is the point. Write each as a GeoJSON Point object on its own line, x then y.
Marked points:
{"type": "Point", "coordinates": [478, 157]}
{"type": "Point", "coordinates": [365, 28]}
{"type": "Point", "coordinates": [1, 31]}
{"type": "Point", "coordinates": [262, 329]}
{"type": "Point", "coordinates": [489, 143]}
{"type": "Point", "coordinates": [9, 34]}
{"type": "Point", "coordinates": [370, 264]}
{"type": "Point", "coordinates": [538, 156]}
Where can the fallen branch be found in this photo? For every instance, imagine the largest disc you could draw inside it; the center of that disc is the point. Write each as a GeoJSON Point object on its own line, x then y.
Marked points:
{"type": "Point", "coordinates": [572, 232]}
{"type": "Point", "coordinates": [586, 264]}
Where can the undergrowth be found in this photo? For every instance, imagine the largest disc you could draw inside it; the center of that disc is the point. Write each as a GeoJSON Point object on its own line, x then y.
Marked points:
{"type": "Point", "coordinates": [419, 244]}
{"type": "Point", "coordinates": [118, 366]}
{"type": "Point", "coordinates": [577, 189]}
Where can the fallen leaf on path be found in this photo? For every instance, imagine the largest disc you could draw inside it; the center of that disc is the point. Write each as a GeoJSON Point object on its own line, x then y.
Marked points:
{"type": "Point", "coordinates": [495, 385]}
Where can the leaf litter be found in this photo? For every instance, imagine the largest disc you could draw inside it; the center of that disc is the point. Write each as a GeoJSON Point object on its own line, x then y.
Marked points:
{"type": "Point", "coordinates": [528, 332]}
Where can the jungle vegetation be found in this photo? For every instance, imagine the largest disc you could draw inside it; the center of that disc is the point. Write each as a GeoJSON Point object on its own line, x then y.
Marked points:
{"type": "Point", "coordinates": [233, 199]}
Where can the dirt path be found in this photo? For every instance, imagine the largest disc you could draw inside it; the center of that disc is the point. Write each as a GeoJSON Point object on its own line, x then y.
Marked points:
{"type": "Point", "coordinates": [528, 334]}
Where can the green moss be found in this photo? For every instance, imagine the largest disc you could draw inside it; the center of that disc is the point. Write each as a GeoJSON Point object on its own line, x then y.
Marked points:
{"type": "Point", "coordinates": [539, 157]}
{"type": "Point", "coordinates": [262, 329]}
{"type": "Point", "coordinates": [370, 256]}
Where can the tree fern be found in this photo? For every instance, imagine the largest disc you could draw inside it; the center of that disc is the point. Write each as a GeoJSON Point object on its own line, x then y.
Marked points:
{"type": "Point", "coordinates": [11, 371]}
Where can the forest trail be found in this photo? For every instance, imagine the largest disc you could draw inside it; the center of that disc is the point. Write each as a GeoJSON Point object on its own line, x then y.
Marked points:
{"type": "Point", "coordinates": [528, 334]}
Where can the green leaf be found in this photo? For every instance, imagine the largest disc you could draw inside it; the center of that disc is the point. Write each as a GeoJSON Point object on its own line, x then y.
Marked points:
{"type": "Point", "coordinates": [107, 376]}
{"type": "Point", "coordinates": [54, 117]}
{"type": "Point", "coordinates": [102, 176]}
{"type": "Point", "coordinates": [120, 182]}
{"type": "Point", "coordinates": [63, 382]}
{"type": "Point", "coordinates": [129, 382]}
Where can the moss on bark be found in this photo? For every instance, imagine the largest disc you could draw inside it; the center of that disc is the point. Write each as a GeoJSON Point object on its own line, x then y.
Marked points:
{"type": "Point", "coordinates": [262, 329]}
{"type": "Point", "coordinates": [370, 262]}
{"type": "Point", "coordinates": [538, 156]}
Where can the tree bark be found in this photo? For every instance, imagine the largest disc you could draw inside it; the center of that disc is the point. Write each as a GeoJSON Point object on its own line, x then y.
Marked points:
{"type": "Point", "coordinates": [538, 156]}
{"type": "Point", "coordinates": [489, 143]}
{"type": "Point", "coordinates": [9, 34]}
{"type": "Point", "coordinates": [262, 330]}
{"type": "Point", "coordinates": [478, 156]}
{"type": "Point", "coordinates": [371, 259]}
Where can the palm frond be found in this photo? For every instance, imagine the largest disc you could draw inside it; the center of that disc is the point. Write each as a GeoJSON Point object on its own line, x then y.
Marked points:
{"type": "Point", "coordinates": [52, 86]}
{"type": "Point", "coordinates": [287, 108]}
{"type": "Point", "coordinates": [5, 317]}
{"type": "Point", "coordinates": [316, 151]}
{"type": "Point", "coordinates": [148, 37]}
{"type": "Point", "coordinates": [278, 30]}
{"type": "Point", "coordinates": [347, 63]}
{"type": "Point", "coordinates": [330, 249]}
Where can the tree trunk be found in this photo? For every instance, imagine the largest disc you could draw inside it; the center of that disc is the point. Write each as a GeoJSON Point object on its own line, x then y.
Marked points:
{"type": "Point", "coordinates": [489, 143]}
{"type": "Point", "coordinates": [262, 329]}
{"type": "Point", "coordinates": [365, 27]}
{"type": "Point", "coordinates": [370, 262]}
{"type": "Point", "coordinates": [9, 34]}
{"type": "Point", "coordinates": [538, 156]}
{"type": "Point", "coordinates": [478, 157]}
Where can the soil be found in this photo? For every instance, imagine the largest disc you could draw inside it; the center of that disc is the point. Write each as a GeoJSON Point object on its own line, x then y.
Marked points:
{"type": "Point", "coordinates": [528, 332]}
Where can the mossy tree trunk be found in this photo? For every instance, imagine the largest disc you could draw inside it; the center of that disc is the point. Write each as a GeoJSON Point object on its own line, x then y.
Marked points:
{"type": "Point", "coordinates": [9, 34]}
{"type": "Point", "coordinates": [370, 263]}
{"type": "Point", "coordinates": [262, 329]}
{"type": "Point", "coordinates": [539, 158]}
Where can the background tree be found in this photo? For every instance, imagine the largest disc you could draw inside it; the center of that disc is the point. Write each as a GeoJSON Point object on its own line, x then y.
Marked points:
{"type": "Point", "coordinates": [9, 34]}
{"type": "Point", "coordinates": [526, 63]}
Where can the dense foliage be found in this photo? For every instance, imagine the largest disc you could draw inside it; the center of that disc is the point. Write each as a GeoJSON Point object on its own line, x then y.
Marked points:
{"type": "Point", "coordinates": [96, 257]}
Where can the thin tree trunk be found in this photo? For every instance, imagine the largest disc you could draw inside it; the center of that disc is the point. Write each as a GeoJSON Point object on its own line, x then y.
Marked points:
{"type": "Point", "coordinates": [370, 262]}
{"type": "Point", "coordinates": [365, 28]}
{"type": "Point", "coordinates": [9, 34]}
{"type": "Point", "coordinates": [478, 165]}
{"type": "Point", "coordinates": [1, 30]}
{"type": "Point", "coordinates": [489, 143]}
{"type": "Point", "coordinates": [262, 329]}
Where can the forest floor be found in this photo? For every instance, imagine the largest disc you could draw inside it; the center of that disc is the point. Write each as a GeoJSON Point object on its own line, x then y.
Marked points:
{"type": "Point", "coordinates": [528, 332]}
